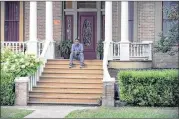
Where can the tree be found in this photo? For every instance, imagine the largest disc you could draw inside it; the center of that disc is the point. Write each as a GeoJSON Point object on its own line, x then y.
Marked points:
{"type": "Point", "coordinates": [169, 42]}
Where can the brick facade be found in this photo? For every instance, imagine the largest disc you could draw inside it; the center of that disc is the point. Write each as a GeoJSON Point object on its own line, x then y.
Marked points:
{"type": "Point", "coordinates": [146, 21]}
{"type": "Point", "coordinates": [115, 20]}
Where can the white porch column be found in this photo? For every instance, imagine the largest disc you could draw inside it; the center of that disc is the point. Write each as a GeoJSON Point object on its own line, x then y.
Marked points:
{"type": "Point", "coordinates": [32, 44]}
{"type": "Point", "coordinates": [124, 45]}
{"type": "Point", "coordinates": [49, 28]}
{"type": "Point", "coordinates": [108, 82]}
{"type": "Point", "coordinates": [108, 37]}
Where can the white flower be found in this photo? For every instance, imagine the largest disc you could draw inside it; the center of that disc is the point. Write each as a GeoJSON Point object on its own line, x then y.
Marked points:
{"type": "Point", "coordinates": [23, 66]}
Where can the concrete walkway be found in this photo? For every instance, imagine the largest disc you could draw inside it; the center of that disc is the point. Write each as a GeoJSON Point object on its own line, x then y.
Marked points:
{"type": "Point", "coordinates": [51, 111]}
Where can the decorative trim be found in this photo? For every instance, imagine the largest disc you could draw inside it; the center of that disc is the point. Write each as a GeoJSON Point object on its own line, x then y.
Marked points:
{"type": "Point", "coordinates": [21, 22]}
{"type": "Point", "coordinates": [135, 31]}
{"type": "Point", "coordinates": [2, 20]}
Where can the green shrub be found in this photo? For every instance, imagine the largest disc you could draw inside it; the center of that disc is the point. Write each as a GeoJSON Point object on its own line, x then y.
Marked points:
{"type": "Point", "coordinates": [149, 87]}
{"type": "Point", "coordinates": [15, 65]}
{"type": "Point", "coordinates": [7, 89]}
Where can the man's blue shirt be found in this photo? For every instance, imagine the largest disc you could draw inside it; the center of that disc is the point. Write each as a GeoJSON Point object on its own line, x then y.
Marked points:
{"type": "Point", "coordinates": [77, 47]}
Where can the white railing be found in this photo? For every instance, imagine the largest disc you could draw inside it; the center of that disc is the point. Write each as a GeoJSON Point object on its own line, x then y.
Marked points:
{"type": "Point", "coordinates": [40, 45]}
{"type": "Point", "coordinates": [116, 50]}
{"type": "Point", "coordinates": [136, 50]}
{"type": "Point", "coordinates": [140, 51]}
{"type": "Point", "coordinates": [15, 46]}
{"type": "Point", "coordinates": [21, 46]}
{"type": "Point", "coordinates": [44, 56]}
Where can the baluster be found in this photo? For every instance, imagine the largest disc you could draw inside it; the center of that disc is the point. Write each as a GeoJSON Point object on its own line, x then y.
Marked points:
{"type": "Point", "coordinates": [139, 50]}
{"type": "Point", "coordinates": [118, 49]}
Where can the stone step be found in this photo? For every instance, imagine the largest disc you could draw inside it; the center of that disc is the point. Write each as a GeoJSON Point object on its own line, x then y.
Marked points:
{"type": "Point", "coordinates": [66, 90]}
{"type": "Point", "coordinates": [78, 71]}
{"type": "Point", "coordinates": [71, 80]}
{"type": "Point", "coordinates": [66, 62]}
{"type": "Point", "coordinates": [62, 66]}
{"type": "Point", "coordinates": [64, 96]}
{"type": "Point", "coordinates": [61, 75]}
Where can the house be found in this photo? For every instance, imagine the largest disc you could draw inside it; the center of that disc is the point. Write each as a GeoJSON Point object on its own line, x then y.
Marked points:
{"type": "Point", "coordinates": [129, 30]}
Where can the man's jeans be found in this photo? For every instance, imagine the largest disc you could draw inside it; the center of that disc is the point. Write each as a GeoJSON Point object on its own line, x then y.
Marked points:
{"type": "Point", "coordinates": [80, 57]}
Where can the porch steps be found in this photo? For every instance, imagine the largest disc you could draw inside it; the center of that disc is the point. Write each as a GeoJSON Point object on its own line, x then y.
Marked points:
{"type": "Point", "coordinates": [62, 85]}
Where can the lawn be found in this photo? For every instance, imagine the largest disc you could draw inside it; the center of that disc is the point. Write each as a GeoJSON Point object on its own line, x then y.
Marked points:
{"type": "Point", "coordinates": [125, 112]}
{"type": "Point", "coordinates": [7, 112]}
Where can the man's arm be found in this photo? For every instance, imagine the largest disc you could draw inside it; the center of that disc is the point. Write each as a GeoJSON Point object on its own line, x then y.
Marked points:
{"type": "Point", "coordinates": [72, 48]}
{"type": "Point", "coordinates": [81, 50]}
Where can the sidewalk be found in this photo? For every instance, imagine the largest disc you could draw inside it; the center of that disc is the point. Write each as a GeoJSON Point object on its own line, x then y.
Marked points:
{"type": "Point", "coordinates": [57, 111]}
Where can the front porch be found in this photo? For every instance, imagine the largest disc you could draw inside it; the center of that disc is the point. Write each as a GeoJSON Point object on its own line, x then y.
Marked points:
{"type": "Point", "coordinates": [124, 50]}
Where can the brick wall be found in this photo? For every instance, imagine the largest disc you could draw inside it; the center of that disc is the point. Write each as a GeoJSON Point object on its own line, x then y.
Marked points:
{"type": "Point", "coordinates": [146, 21]}
{"type": "Point", "coordinates": [115, 27]}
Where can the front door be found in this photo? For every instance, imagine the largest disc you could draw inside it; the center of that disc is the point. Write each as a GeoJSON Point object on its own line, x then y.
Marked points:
{"type": "Point", "coordinates": [87, 33]}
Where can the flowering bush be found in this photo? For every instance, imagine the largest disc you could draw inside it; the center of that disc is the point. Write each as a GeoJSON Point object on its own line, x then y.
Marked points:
{"type": "Point", "coordinates": [19, 64]}
{"type": "Point", "coordinates": [15, 65]}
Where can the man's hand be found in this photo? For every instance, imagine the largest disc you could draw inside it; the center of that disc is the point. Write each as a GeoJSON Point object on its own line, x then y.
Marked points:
{"type": "Point", "coordinates": [77, 53]}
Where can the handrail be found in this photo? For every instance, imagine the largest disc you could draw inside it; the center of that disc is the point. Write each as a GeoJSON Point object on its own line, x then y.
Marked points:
{"type": "Point", "coordinates": [34, 78]}
{"type": "Point", "coordinates": [106, 76]}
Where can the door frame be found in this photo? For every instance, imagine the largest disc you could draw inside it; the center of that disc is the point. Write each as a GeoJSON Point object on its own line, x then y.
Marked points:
{"type": "Point", "coordinates": [94, 14]}
{"type": "Point", "coordinates": [74, 11]}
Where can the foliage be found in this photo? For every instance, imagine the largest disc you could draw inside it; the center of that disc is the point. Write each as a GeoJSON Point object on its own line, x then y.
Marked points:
{"type": "Point", "coordinates": [125, 112]}
{"type": "Point", "coordinates": [15, 65]}
{"type": "Point", "coordinates": [149, 87]}
{"type": "Point", "coordinates": [19, 64]}
{"type": "Point", "coordinates": [9, 112]}
{"type": "Point", "coordinates": [7, 89]}
{"type": "Point", "coordinates": [100, 48]}
{"type": "Point", "coordinates": [65, 48]}
{"type": "Point", "coordinates": [169, 42]}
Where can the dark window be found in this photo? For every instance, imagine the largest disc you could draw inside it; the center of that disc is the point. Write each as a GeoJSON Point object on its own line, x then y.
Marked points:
{"type": "Point", "coordinates": [103, 5]}
{"type": "Point", "coordinates": [103, 27]}
{"type": "Point", "coordinates": [131, 20]}
{"type": "Point", "coordinates": [68, 4]}
{"type": "Point", "coordinates": [69, 27]}
{"type": "Point", "coordinates": [86, 4]}
{"type": "Point", "coordinates": [11, 21]}
{"type": "Point", "coordinates": [167, 22]}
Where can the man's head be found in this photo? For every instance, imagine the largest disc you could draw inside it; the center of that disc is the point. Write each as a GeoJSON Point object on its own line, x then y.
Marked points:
{"type": "Point", "coordinates": [77, 41]}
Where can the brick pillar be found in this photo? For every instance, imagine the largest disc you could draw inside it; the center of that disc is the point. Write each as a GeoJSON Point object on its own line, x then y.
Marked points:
{"type": "Point", "coordinates": [108, 93]}
{"type": "Point", "coordinates": [21, 91]}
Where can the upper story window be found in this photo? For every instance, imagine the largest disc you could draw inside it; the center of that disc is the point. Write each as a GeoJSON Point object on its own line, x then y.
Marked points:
{"type": "Point", "coordinates": [102, 4]}
{"type": "Point", "coordinates": [86, 4]}
{"type": "Point", "coordinates": [168, 23]}
{"type": "Point", "coordinates": [68, 4]}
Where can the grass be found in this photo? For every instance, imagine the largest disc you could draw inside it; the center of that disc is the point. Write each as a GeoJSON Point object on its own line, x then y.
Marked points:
{"type": "Point", "coordinates": [125, 112]}
{"type": "Point", "coordinates": [7, 112]}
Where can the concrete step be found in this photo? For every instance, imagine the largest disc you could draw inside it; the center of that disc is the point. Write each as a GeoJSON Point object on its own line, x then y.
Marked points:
{"type": "Point", "coordinates": [66, 90]}
{"type": "Point", "coordinates": [67, 85]}
{"type": "Point", "coordinates": [64, 96]}
{"type": "Point", "coordinates": [88, 62]}
{"type": "Point", "coordinates": [64, 101]}
{"type": "Point", "coordinates": [67, 71]}
{"type": "Point", "coordinates": [71, 80]}
{"type": "Point", "coordinates": [61, 75]}
{"type": "Point", "coordinates": [62, 66]}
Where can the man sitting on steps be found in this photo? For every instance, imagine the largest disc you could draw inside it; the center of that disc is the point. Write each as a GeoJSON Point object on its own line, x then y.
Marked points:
{"type": "Point", "coordinates": [77, 53]}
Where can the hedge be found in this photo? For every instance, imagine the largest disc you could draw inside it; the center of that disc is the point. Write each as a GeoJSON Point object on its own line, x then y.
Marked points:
{"type": "Point", "coordinates": [7, 89]}
{"type": "Point", "coordinates": [149, 87]}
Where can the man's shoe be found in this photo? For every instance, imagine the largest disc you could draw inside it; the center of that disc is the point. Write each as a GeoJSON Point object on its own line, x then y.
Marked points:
{"type": "Point", "coordinates": [70, 66]}
{"type": "Point", "coordinates": [81, 66]}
